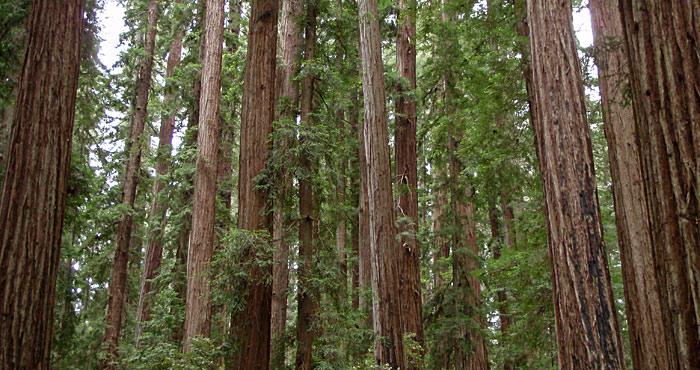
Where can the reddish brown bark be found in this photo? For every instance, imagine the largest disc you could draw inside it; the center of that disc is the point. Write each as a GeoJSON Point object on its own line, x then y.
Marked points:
{"type": "Point", "coordinates": [32, 207]}
{"type": "Point", "coordinates": [465, 251]}
{"type": "Point", "coordinates": [650, 331]}
{"type": "Point", "coordinates": [586, 320]}
{"type": "Point", "coordinates": [661, 40]}
{"type": "Point", "coordinates": [307, 295]}
{"type": "Point", "coordinates": [202, 236]}
{"type": "Point", "coordinates": [388, 345]}
{"type": "Point", "coordinates": [117, 285]}
{"type": "Point", "coordinates": [251, 326]}
{"type": "Point", "coordinates": [364, 263]}
{"type": "Point", "coordinates": [407, 176]}
{"type": "Point", "coordinates": [286, 110]}
{"type": "Point", "coordinates": [154, 248]}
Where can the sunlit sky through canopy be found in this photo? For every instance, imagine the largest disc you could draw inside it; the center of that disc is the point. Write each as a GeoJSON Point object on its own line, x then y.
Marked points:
{"type": "Point", "coordinates": [112, 22]}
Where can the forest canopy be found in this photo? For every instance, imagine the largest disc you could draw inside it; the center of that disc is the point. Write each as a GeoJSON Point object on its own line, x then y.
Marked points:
{"type": "Point", "coordinates": [350, 184]}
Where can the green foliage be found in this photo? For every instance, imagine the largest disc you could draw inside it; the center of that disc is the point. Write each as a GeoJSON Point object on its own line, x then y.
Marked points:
{"type": "Point", "coordinates": [470, 93]}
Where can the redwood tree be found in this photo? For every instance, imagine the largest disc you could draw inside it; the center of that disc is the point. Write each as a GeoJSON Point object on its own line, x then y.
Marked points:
{"type": "Point", "coordinates": [286, 102]}
{"type": "Point", "coordinates": [32, 207]}
{"type": "Point", "coordinates": [307, 295]}
{"type": "Point", "coordinates": [154, 248]}
{"type": "Point", "coordinates": [650, 333]}
{"type": "Point", "coordinates": [407, 174]}
{"type": "Point", "coordinates": [586, 321]}
{"type": "Point", "coordinates": [202, 236]}
{"type": "Point", "coordinates": [117, 285]}
{"type": "Point", "coordinates": [388, 345]}
{"type": "Point", "coordinates": [251, 326]}
{"type": "Point", "coordinates": [661, 40]}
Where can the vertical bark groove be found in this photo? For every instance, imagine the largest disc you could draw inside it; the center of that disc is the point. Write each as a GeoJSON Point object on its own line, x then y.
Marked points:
{"type": "Point", "coordinates": [286, 110]}
{"type": "Point", "coordinates": [650, 333]}
{"type": "Point", "coordinates": [661, 41]}
{"type": "Point", "coordinates": [251, 327]}
{"type": "Point", "coordinates": [32, 207]}
{"type": "Point", "coordinates": [407, 176]}
{"type": "Point", "coordinates": [202, 235]}
{"type": "Point", "coordinates": [586, 320]}
{"type": "Point", "coordinates": [384, 249]}
{"type": "Point", "coordinates": [307, 295]}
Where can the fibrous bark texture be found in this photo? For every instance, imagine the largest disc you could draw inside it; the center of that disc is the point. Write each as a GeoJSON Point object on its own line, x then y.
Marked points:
{"type": "Point", "coordinates": [202, 237]}
{"type": "Point", "coordinates": [307, 295]}
{"type": "Point", "coordinates": [117, 285]}
{"type": "Point", "coordinates": [32, 207]}
{"type": "Point", "coordinates": [650, 331]}
{"type": "Point", "coordinates": [364, 253]}
{"type": "Point", "coordinates": [388, 345]}
{"type": "Point", "coordinates": [407, 175]}
{"type": "Point", "coordinates": [154, 248]}
{"type": "Point", "coordinates": [251, 326]}
{"type": "Point", "coordinates": [586, 321]}
{"type": "Point", "coordinates": [661, 39]}
{"type": "Point", "coordinates": [286, 101]}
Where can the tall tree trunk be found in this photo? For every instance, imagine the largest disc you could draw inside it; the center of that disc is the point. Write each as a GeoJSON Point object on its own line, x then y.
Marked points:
{"type": "Point", "coordinates": [307, 295]}
{"type": "Point", "coordinates": [202, 236]}
{"type": "Point", "coordinates": [251, 327]}
{"type": "Point", "coordinates": [189, 141]}
{"type": "Point", "coordinates": [661, 39]}
{"type": "Point", "coordinates": [586, 321]}
{"type": "Point", "coordinates": [32, 207]}
{"type": "Point", "coordinates": [651, 332]}
{"type": "Point", "coordinates": [508, 242]}
{"type": "Point", "coordinates": [388, 345]}
{"type": "Point", "coordinates": [465, 250]}
{"type": "Point", "coordinates": [364, 253]}
{"type": "Point", "coordinates": [117, 285]}
{"type": "Point", "coordinates": [154, 248]}
{"type": "Point", "coordinates": [286, 101]}
{"type": "Point", "coordinates": [224, 177]}
{"type": "Point", "coordinates": [407, 176]}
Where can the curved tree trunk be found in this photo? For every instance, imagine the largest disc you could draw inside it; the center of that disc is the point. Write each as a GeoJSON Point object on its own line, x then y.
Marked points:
{"type": "Point", "coordinates": [32, 207]}
{"type": "Point", "coordinates": [117, 285]}
{"type": "Point", "coordinates": [202, 236]}
{"type": "Point", "coordinates": [661, 39]}
{"type": "Point", "coordinates": [586, 321]}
